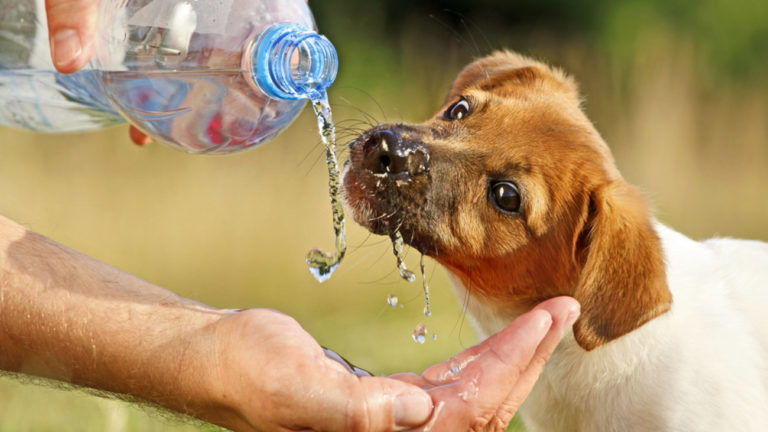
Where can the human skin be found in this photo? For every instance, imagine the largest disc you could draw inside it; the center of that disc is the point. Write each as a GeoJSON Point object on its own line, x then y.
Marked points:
{"type": "Point", "coordinates": [68, 317]}
{"type": "Point", "coordinates": [72, 34]}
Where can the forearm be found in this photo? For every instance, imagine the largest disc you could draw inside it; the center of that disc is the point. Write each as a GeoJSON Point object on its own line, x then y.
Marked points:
{"type": "Point", "coordinates": [69, 317]}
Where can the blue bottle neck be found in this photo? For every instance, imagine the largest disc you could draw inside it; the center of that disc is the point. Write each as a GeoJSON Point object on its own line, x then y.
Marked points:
{"type": "Point", "coordinates": [291, 62]}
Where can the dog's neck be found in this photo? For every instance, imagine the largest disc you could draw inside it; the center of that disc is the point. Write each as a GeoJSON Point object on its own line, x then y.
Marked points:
{"type": "Point", "coordinates": [514, 283]}
{"type": "Point", "coordinates": [487, 316]}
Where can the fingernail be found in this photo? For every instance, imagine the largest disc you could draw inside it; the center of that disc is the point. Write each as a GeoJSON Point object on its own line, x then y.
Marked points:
{"type": "Point", "coordinates": [66, 47]}
{"type": "Point", "coordinates": [138, 137]}
{"type": "Point", "coordinates": [412, 409]}
{"type": "Point", "coordinates": [573, 315]}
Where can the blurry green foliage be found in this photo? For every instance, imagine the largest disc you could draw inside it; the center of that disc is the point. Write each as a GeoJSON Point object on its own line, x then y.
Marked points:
{"type": "Point", "coordinates": [730, 36]}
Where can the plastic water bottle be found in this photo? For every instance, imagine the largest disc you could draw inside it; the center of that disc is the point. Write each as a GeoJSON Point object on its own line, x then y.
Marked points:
{"type": "Point", "coordinates": [205, 76]}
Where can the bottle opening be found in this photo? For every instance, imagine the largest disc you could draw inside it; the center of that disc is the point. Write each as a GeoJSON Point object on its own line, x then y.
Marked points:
{"type": "Point", "coordinates": [291, 62]}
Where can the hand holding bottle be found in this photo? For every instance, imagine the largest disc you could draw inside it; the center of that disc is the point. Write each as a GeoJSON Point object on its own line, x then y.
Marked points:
{"type": "Point", "coordinates": [204, 77]}
{"type": "Point", "coordinates": [72, 32]}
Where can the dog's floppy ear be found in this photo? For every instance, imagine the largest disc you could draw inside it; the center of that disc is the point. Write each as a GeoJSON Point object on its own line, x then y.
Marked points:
{"type": "Point", "coordinates": [623, 281]}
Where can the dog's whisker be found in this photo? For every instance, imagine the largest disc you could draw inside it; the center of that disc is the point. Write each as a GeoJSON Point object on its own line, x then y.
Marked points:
{"type": "Point", "coordinates": [370, 120]}
{"type": "Point", "coordinates": [386, 216]}
{"type": "Point", "coordinates": [320, 155]}
{"type": "Point", "coordinates": [464, 308]}
{"type": "Point", "coordinates": [367, 243]}
{"type": "Point", "coordinates": [471, 30]}
{"type": "Point", "coordinates": [373, 99]}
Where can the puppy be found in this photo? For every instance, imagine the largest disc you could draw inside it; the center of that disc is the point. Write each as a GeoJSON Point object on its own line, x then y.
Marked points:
{"type": "Point", "coordinates": [514, 192]}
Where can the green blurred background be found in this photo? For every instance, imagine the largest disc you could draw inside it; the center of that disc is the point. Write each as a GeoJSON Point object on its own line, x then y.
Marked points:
{"type": "Point", "coordinates": [678, 89]}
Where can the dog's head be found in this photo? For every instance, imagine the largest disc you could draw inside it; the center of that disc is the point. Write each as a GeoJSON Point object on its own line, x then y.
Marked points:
{"type": "Point", "coordinates": [511, 188]}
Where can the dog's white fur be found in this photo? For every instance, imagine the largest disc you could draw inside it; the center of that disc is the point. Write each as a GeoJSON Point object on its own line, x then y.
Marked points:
{"type": "Point", "coordinates": [702, 366]}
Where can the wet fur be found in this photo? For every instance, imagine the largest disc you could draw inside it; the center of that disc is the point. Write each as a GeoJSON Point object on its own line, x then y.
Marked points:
{"type": "Point", "coordinates": [582, 231]}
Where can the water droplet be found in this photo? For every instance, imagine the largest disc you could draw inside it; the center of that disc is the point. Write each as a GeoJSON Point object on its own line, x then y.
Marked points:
{"type": "Point", "coordinates": [397, 249]}
{"type": "Point", "coordinates": [419, 334]}
{"type": "Point", "coordinates": [427, 304]}
{"type": "Point", "coordinates": [392, 300]}
{"type": "Point", "coordinates": [472, 391]}
{"type": "Point", "coordinates": [321, 264]}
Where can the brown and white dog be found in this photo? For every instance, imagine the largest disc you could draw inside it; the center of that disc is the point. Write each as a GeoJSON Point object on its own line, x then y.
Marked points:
{"type": "Point", "coordinates": [514, 192]}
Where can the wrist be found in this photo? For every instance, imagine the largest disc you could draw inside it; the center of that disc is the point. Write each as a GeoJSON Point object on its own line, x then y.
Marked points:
{"type": "Point", "coordinates": [182, 371]}
{"type": "Point", "coordinates": [243, 358]}
{"type": "Point", "coordinates": [205, 391]}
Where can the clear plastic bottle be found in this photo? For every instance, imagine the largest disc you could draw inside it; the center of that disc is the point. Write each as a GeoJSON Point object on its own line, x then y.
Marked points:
{"type": "Point", "coordinates": [205, 76]}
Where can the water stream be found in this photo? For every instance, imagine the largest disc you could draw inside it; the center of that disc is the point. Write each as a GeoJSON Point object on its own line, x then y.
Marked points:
{"type": "Point", "coordinates": [322, 264]}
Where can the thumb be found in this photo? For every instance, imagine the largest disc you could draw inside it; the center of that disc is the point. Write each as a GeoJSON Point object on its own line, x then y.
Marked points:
{"type": "Point", "coordinates": [71, 31]}
{"type": "Point", "coordinates": [375, 404]}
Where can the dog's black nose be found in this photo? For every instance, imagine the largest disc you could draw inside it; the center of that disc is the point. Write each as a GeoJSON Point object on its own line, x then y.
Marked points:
{"type": "Point", "coordinates": [385, 152]}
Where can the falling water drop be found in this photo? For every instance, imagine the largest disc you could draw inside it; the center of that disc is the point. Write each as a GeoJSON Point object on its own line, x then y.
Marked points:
{"type": "Point", "coordinates": [392, 300]}
{"type": "Point", "coordinates": [397, 248]}
{"type": "Point", "coordinates": [427, 304]}
{"type": "Point", "coordinates": [419, 334]}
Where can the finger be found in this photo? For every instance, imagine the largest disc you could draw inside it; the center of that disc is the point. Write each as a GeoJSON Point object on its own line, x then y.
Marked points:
{"type": "Point", "coordinates": [564, 311]}
{"type": "Point", "coordinates": [72, 31]}
{"type": "Point", "coordinates": [138, 137]}
{"type": "Point", "coordinates": [365, 404]}
{"type": "Point", "coordinates": [486, 382]}
{"type": "Point", "coordinates": [411, 378]}
{"type": "Point", "coordinates": [450, 371]}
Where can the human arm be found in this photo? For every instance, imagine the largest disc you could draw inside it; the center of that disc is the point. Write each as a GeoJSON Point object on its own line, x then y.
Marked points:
{"type": "Point", "coordinates": [68, 317]}
{"type": "Point", "coordinates": [71, 318]}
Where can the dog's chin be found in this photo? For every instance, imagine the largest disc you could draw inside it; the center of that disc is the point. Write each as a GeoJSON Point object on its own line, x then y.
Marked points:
{"type": "Point", "coordinates": [358, 201]}
{"type": "Point", "coordinates": [377, 204]}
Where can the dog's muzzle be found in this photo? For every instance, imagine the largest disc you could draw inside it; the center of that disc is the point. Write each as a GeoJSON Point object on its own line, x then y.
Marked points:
{"type": "Point", "coordinates": [387, 154]}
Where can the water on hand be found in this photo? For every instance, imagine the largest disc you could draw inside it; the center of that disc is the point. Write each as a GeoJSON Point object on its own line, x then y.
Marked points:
{"type": "Point", "coordinates": [321, 264]}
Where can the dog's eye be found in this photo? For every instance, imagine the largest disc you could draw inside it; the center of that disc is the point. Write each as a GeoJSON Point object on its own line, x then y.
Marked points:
{"type": "Point", "coordinates": [505, 196]}
{"type": "Point", "coordinates": [457, 111]}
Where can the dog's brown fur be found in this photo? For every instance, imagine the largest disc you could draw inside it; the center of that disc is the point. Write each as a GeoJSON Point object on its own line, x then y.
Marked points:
{"type": "Point", "coordinates": [581, 231]}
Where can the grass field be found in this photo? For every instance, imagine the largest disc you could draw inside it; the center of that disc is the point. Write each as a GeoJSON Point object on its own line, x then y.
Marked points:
{"type": "Point", "coordinates": [232, 231]}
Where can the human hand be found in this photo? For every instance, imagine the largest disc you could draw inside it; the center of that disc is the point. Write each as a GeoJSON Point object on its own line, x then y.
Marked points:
{"type": "Point", "coordinates": [72, 34]}
{"type": "Point", "coordinates": [482, 388]}
{"type": "Point", "coordinates": [266, 373]}
{"type": "Point", "coordinates": [269, 374]}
